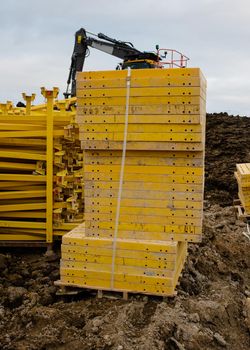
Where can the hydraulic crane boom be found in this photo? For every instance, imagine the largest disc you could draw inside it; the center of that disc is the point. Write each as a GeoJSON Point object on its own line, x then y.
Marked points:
{"type": "Point", "coordinates": [120, 49]}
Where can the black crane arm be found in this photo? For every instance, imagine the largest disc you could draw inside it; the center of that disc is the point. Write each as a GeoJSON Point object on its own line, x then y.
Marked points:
{"type": "Point", "coordinates": [111, 46]}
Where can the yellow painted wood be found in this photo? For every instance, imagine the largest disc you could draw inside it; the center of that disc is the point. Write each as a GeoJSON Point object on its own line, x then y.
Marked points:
{"type": "Point", "coordinates": [138, 101]}
{"type": "Point", "coordinates": [135, 154]}
{"type": "Point", "coordinates": [141, 267]}
{"type": "Point", "coordinates": [97, 217]}
{"type": "Point", "coordinates": [80, 239]}
{"type": "Point", "coordinates": [145, 203]}
{"type": "Point", "coordinates": [144, 146]}
{"type": "Point", "coordinates": [129, 272]}
{"type": "Point", "coordinates": [76, 260]}
{"type": "Point", "coordinates": [140, 92]}
{"type": "Point", "coordinates": [159, 81]}
{"type": "Point", "coordinates": [119, 277]}
{"type": "Point", "coordinates": [144, 169]}
{"type": "Point", "coordinates": [154, 178]}
{"type": "Point", "coordinates": [118, 286]}
{"type": "Point", "coordinates": [144, 186]}
{"type": "Point", "coordinates": [142, 160]}
{"type": "Point", "coordinates": [77, 252]}
{"type": "Point", "coordinates": [190, 119]}
{"type": "Point", "coordinates": [140, 128]}
{"type": "Point", "coordinates": [163, 236]}
{"type": "Point", "coordinates": [147, 227]}
{"type": "Point", "coordinates": [113, 136]}
{"type": "Point", "coordinates": [140, 73]}
{"type": "Point", "coordinates": [181, 196]}
{"type": "Point", "coordinates": [164, 109]}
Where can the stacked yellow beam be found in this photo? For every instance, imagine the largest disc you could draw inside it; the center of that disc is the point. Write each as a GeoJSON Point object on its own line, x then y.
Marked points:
{"type": "Point", "coordinates": [41, 185]}
{"type": "Point", "coordinates": [155, 201]}
{"type": "Point", "coordinates": [243, 178]}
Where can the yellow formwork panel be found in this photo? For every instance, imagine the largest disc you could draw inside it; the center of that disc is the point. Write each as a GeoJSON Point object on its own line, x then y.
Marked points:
{"type": "Point", "coordinates": [141, 154]}
{"type": "Point", "coordinates": [139, 92]}
{"type": "Point", "coordinates": [83, 253]}
{"type": "Point", "coordinates": [144, 146]}
{"type": "Point", "coordinates": [190, 119]}
{"type": "Point", "coordinates": [144, 235]}
{"type": "Point", "coordinates": [153, 178]}
{"type": "Point", "coordinates": [145, 186]}
{"type": "Point", "coordinates": [144, 219]}
{"type": "Point", "coordinates": [74, 260]}
{"type": "Point", "coordinates": [131, 270]}
{"type": "Point", "coordinates": [141, 128]}
{"type": "Point", "coordinates": [146, 161]}
{"type": "Point", "coordinates": [118, 286]}
{"type": "Point", "coordinates": [77, 237]}
{"type": "Point", "coordinates": [133, 274]}
{"type": "Point", "coordinates": [157, 285]}
{"type": "Point", "coordinates": [137, 101]}
{"type": "Point", "coordinates": [139, 226]}
{"type": "Point", "coordinates": [160, 109]}
{"type": "Point", "coordinates": [142, 82]}
{"type": "Point", "coordinates": [144, 169]}
{"type": "Point", "coordinates": [144, 203]}
{"type": "Point", "coordinates": [127, 266]}
{"type": "Point", "coordinates": [141, 194]}
{"type": "Point", "coordinates": [141, 73]}
{"type": "Point", "coordinates": [157, 136]}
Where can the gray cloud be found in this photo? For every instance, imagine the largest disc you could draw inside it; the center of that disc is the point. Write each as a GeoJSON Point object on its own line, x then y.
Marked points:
{"type": "Point", "coordinates": [37, 38]}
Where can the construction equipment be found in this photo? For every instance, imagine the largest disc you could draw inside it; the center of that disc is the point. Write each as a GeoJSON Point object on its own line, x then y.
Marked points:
{"type": "Point", "coordinates": [143, 136]}
{"type": "Point", "coordinates": [41, 176]}
{"type": "Point", "coordinates": [131, 57]}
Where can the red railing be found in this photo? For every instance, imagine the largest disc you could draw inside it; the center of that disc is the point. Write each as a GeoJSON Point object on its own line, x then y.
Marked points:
{"type": "Point", "coordinates": [176, 58]}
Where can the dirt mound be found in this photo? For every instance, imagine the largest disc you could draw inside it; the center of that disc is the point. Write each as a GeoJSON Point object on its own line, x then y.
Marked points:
{"type": "Point", "coordinates": [227, 143]}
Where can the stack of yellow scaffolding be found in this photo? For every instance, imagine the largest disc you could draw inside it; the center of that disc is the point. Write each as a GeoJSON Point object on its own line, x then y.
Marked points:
{"type": "Point", "coordinates": [41, 183]}
{"type": "Point", "coordinates": [143, 141]}
{"type": "Point", "coordinates": [243, 178]}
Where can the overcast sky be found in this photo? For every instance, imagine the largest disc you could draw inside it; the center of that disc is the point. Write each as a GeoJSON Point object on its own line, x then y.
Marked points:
{"type": "Point", "coordinates": [37, 37]}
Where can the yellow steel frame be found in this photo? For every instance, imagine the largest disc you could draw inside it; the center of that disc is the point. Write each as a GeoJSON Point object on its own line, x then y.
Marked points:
{"type": "Point", "coordinates": [28, 136]}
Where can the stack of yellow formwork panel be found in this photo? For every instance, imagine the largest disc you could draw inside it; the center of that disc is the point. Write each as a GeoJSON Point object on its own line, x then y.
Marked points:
{"type": "Point", "coordinates": [143, 140]}
{"type": "Point", "coordinates": [243, 178]}
{"type": "Point", "coordinates": [41, 182]}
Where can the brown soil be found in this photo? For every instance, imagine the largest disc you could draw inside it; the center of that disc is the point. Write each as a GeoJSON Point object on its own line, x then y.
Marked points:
{"type": "Point", "coordinates": [211, 311]}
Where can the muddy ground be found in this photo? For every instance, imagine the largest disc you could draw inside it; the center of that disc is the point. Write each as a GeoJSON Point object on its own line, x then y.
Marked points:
{"type": "Point", "coordinates": [211, 310]}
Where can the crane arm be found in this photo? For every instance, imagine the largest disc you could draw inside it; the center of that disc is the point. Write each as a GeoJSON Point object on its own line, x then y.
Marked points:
{"type": "Point", "coordinates": [111, 46]}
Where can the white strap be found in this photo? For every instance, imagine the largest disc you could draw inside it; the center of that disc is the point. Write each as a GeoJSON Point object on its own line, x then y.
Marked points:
{"type": "Point", "coordinates": [124, 147]}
